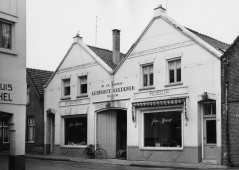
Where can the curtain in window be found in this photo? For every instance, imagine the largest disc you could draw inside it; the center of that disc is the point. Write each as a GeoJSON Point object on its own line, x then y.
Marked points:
{"type": "Point", "coordinates": [178, 64]}
{"type": "Point", "coordinates": [83, 80]}
{"type": "Point", "coordinates": [6, 35]}
{"type": "Point", "coordinates": [171, 65]}
{"type": "Point", "coordinates": [67, 83]}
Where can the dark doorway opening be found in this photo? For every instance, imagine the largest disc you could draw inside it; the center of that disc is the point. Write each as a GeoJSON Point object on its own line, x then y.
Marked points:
{"type": "Point", "coordinates": [121, 139]}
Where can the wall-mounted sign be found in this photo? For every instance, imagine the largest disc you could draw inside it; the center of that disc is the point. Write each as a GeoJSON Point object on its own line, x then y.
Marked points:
{"type": "Point", "coordinates": [164, 92]}
{"type": "Point", "coordinates": [115, 89]}
{"type": "Point", "coordinates": [74, 102]}
{"type": "Point", "coordinates": [12, 92]}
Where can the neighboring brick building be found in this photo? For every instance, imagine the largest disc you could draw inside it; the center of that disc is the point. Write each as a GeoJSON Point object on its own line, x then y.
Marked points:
{"type": "Point", "coordinates": [36, 79]}
{"type": "Point", "coordinates": [230, 104]}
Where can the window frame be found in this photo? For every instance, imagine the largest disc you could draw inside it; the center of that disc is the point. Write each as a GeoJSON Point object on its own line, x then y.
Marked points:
{"type": "Point", "coordinates": [63, 129]}
{"type": "Point", "coordinates": [10, 25]}
{"type": "Point", "coordinates": [28, 129]}
{"type": "Point", "coordinates": [175, 71]}
{"type": "Point", "coordinates": [80, 94]}
{"type": "Point", "coordinates": [179, 108]}
{"type": "Point", "coordinates": [148, 75]}
{"type": "Point", "coordinates": [63, 87]}
{"type": "Point", "coordinates": [203, 108]}
{"type": "Point", "coordinates": [4, 127]}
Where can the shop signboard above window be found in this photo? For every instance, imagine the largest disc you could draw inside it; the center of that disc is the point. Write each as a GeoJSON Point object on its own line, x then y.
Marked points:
{"type": "Point", "coordinates": [76, 130]}
{"type": "Point", "coordinates": [5, 35]}
{"type": "Point", "coordinates": [163, 130]}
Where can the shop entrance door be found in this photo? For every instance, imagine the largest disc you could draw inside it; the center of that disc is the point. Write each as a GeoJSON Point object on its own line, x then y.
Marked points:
{"type": "Point", "coordinates": [106, 131]}
{"type": "Point", "coordinates": [210, 138]}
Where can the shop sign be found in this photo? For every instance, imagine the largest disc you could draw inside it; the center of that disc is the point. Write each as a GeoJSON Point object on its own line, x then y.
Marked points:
{"type": "Point", "coordinates": [162, 121]}
{"type": "Point", "coordinates": [73, 102]}
{"type": "Point", "coordinates": [164, 92]}
{"type": "Point", "coordinates": [12, 92]}
{"type": "Point", "coordinates": [115, 90]}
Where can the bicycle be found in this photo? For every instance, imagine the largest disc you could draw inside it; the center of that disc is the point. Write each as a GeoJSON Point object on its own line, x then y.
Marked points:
{"type": "Point", "coordinates": [89, 152]}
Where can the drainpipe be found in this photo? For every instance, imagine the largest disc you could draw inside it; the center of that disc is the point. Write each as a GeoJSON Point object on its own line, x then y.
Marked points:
{"type": "Point", "coordinates": [226, 62]}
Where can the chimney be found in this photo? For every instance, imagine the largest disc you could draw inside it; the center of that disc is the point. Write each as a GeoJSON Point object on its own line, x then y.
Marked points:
{"type": "Point", "coordinates": [77, 38]}
{"type": "Point", "coordinates": [116, 46]}
{"type": "Point", "coordinates": [159, 10]}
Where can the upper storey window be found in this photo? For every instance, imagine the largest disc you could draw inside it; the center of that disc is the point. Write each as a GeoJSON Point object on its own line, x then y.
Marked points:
{"type": "Point", "coordinates": [66, 87]}
{"type": "Point", "coordinates": [174, 71]}
{"type": "Point", "coordinates": [148, 75]}
{"type": "Point", "coordinates": [5, 35]}
{"type": "Point", "coordinates": [83, 84]}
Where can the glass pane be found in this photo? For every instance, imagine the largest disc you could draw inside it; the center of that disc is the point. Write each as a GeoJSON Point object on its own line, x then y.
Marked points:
{"type": "Point", "coordinates": [178, 74]}
{"type": "Point", "coordinates": [207, 108]}
{"type": "Point", "coordinates": [211, 131]}
{"type": "Point", "coordinates": [171, 65]}
{"type": "Point", "coordinates": [5, 134]}
{"type": "Point", "coordinates": [67, 91]}
{"type": "Point", "coordinates": [76, 131]}
{"type": "Point", "coordinates": [145, 80]}
{"type": "Point", "coordinates": [6, 32]}
{"type": "Point", "coordinates": [83, 80]}
{"type": "Point", "coordinates": [213, 108]}
{"type": "Point", "coordinates": [84, 88]}
{"type": "Point", "coordinates": [151, 79]}
{"type": "Point", "coordinates": [171, 76]}
{"type": "Point", "coordinates": [162, 129]}
{"type": "Point", "coordinates": [67, 83]}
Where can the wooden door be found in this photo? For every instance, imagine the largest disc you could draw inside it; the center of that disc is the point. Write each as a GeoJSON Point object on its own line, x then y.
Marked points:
{"type": "Point", "coordinates": [106, 131]}
{"type": "Point", "coordinates": [210, 138]}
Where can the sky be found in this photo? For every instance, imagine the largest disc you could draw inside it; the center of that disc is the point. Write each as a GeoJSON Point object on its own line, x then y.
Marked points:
{"type": "Point", "coordinates": [52, 24]}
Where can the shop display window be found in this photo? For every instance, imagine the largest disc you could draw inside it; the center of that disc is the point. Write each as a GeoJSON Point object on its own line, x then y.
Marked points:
{"type": "Point", "coordinates": [148, 75]}
{"type": "Point", "coordinates": [174, 68]}
{"type": "Point", "coordinates": [163, 129]}
{"type": "Point", "coordinates": [76, 131]}
{"type": "Point", "coordinates": [5, 35]}
{"type": "Point", "coordinates": [4, 133]}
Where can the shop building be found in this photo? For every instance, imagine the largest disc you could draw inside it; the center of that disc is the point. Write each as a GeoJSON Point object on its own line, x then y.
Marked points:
{"type": "Point", "coordinates": [174, 113]}
{"type": "Point", "coordinates": [13, 81]}
{"type": "Point", "coordinates": [36, 79]}
{"type": "Point", "coordinates": [230, 105]}
{"type": "Point", "coordinates": [161, 102]}
{"type": "Point", "coordinates": [68, 104]}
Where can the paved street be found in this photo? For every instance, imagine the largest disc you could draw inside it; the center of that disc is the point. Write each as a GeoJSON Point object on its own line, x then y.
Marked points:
{"type": "Point", "coordinates": [33, 164]}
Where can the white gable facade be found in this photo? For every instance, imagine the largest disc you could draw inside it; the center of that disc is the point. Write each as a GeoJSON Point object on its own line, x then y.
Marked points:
{"type": "Point", "coordinates": [174, 113]}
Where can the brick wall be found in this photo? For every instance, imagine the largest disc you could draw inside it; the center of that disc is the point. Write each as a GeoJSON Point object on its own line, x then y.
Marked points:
{"type": "Point", "coordinates": [36, 109]}
{"type": "Point", "coordinates": [230, 123]}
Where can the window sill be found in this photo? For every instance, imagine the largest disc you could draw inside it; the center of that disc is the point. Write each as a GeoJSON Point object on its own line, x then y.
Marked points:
{"type": "Point", "coordinates": [66, 98]}
{"type": "Point", "coordinates": [161, 148]}
{"type": "Point", "coordinates": [147, 88]}
{"type": "Point", "coordinates": [74, 146]}
{"type": "Point", "coordinates": [8, 51]}
{"type": "Point", "coordinates": [82, 95]}
{"type": "Point", "coordinates": [173, 84]}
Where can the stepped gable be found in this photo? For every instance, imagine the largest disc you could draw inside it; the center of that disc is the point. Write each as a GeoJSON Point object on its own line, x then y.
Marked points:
{"type": "Point", "coordinates": [39, 78]}
{"type": "Point", "coordinates": [105, 55]}
{"type": "Point", "coordinates": [213, 42]}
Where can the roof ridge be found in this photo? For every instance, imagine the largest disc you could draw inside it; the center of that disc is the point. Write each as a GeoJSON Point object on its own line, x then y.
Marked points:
{"type": "Point", "coordinates": [103, 49]}
{"type": "Point", "coordinates": [207, 36]}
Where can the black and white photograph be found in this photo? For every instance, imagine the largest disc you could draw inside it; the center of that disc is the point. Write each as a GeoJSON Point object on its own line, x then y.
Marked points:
{"type": "Point", "coordinates": [119, 84]}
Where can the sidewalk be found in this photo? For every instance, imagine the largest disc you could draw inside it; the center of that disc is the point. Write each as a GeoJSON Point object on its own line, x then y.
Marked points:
{"type": "Point", "coordinates": [128, 163]}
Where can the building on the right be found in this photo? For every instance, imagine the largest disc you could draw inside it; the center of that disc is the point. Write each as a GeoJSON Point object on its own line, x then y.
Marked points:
{"type": "Point", "coordinates": [230, 104]}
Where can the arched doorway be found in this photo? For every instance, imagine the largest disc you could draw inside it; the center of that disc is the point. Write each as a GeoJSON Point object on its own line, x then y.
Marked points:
{"type": "Point", "coordinates": [111, 131]}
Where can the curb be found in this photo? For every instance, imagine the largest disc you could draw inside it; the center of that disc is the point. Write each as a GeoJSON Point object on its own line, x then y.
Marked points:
{"type": "Point", "coordinates": [158, 166]}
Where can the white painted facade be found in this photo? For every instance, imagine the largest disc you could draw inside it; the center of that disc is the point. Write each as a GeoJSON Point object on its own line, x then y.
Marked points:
{"type": "Point", "coordinates": [162, 41]}
{"type": "Point", "coordinates": [13, 78]}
